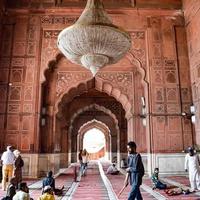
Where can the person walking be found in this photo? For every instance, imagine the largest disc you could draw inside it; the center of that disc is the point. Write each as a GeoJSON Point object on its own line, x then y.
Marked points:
{"type": "Point", "coordinates": [192, 163]}
{"type": "Point", "coordinates": [7, 159]}
{"type": "Point", "coordinates": [85, 157]}
{"type": "Point", "coordinates": [80, 159]}
{"type": "Point", "coordinates": [18, 164]}
{"type": "Point", "coordinates": [135, 172]}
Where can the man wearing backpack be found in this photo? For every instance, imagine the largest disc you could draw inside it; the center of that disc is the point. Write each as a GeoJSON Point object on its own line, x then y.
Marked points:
{"type": "Point", "coordinates": [135, 172]}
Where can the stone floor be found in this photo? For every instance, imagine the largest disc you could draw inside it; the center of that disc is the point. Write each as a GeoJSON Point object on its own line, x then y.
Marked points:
{"type": "Point", "coordinates": [96, 186]}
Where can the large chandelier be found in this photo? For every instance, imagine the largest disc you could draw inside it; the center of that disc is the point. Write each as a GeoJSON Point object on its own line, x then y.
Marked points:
{"type": "Point", "coordinates": [93, 41]}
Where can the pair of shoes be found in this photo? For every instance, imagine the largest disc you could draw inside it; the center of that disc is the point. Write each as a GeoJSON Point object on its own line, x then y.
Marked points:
{"type": "Point", "coordinates": [153, 188]}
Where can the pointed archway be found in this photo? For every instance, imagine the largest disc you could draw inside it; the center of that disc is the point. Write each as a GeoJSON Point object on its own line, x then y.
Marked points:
{"type": "Point", "coordinates": [70, 85]}
{"type": "Point", "coordinates": [95, 124]}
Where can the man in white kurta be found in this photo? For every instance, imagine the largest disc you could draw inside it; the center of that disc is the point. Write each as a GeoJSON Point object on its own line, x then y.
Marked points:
{"type": "Point", "coordinates": [112, 169]}
{"type": "Point", "coordinates": [192, 165]}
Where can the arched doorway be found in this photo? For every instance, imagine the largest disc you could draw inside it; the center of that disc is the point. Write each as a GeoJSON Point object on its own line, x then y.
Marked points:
{"type": "Point", "coordinates": [94, 142]}
{"type": "Point", "coordinates": [74, 91]}
{"type": "Point", "coordinates": [99, 128]}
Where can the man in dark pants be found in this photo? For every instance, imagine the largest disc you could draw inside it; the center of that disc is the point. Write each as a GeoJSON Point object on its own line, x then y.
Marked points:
{"type": "Point", "coordinates": [135, 172]}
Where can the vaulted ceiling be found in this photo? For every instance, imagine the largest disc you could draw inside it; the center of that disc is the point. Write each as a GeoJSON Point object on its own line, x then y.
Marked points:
{"type": "Point", "coordinates": [162, 4]}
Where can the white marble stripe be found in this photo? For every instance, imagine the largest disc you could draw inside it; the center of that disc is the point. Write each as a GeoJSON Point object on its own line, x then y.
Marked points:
{"type": "Point", "coordinates": [155, 194]}
{"type": "Point", "coordinates": [36, 185]}
{"type": "Point", "coordinates": [109, 188]}
{"type": "Point", "coordinates": [69, 194]}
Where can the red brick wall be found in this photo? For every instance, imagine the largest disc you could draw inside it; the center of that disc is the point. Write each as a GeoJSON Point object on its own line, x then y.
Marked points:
{"type": "Point", "coordinates": [192, 23]}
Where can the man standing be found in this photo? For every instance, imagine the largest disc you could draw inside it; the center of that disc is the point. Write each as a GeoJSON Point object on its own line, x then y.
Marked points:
{"type": "Point", "coordinates": [192, 163]}
{"type": "Point", "coordinates": [8, 160]}
{"type": "Point", "coordinates": [135, 172]}
{"type": "Point", "coordinates": [18, 164]}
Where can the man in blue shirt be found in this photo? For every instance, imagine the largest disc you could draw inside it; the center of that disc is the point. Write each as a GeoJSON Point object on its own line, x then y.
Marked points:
{"type": "Point", "coordinates": [50, 181]}
{"type": "Point", "coordinates": [135, 172]}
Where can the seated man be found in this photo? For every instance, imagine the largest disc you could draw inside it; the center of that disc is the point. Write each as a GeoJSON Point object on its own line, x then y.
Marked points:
{"type": "Point", "coordinates": [23, 193]}
{"type": "Point", "coordinates": [112, 170]}
{"type": "Point", "coordinates": [50, 181]}
{"type": "Point", "coordinates": [156, 182]}
{"type": "Point", "coordinates": [11, 190]}
{"type": "Point", "coordinates": [47, 194]}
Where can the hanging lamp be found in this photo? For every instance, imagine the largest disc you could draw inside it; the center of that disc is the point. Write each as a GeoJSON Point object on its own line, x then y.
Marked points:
{"type": "Point", "coordinates": [93, 41]}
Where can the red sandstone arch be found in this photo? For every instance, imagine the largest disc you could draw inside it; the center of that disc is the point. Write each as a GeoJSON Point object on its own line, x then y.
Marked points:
{"type": "Point", "coordinates": [94, 124]}
{"type": "Point", "coordinates": [99, 85]}
{"type": "Point", "coordinates": [136, 62]}
{"type": "Point", "coordinates": [102, 86]}
{"type": "Point", "coordinates": [106, 87]}
{"type": "Point", "coordinates": [97, 107]}
{"type": "Point", "coordinates": [100, 108]}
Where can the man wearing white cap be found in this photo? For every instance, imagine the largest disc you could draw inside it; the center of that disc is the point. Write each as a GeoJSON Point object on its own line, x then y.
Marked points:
{"type": "Point", "coordinates": [7, 159]}
{"type": "Point", "coordinates": [47, 193]}
{"type": "Point", "coordinates": [18, 164]}
{"type": "Point", "coordinates": [192, 163]}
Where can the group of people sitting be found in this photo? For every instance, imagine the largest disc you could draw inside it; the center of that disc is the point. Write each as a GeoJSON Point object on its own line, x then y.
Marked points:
{"type": "Point", "coordinates": [21, 194]}
{"type": "Point", "coordinates": [12, 164]}
{"type": "Point", "coordinates": [48, 189]}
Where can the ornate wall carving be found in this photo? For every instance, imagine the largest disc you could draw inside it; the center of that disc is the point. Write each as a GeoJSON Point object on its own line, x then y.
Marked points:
{"type": "Point", "coordinates": [66, 80]}
{"type": "Point", "coordinates": [29, 48]}
{"type": "Point", "coordinates": [192, 14]}
{"type": "Point", "coordinates": [167, 85]}
{"type": "Point", "coordinates": [18, 67]}
{"type": "Point", "coordinates": [120, 80]}
{"type": "Point", "coordinates": [139, 46]}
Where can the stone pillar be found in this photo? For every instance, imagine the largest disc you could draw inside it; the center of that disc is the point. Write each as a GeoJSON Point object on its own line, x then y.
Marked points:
{"type": "Point", "coordinates": [130, 130]}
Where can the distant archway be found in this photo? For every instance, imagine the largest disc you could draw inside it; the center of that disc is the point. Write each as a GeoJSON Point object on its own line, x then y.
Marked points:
{"type": "Point", "coordinates": [115, 127]}
{"type": "Point", "coordinates": [95, 143]}
{"type": "Point", "coordinates": [95, 124]}
{"type": "Point", "coordinates": [81, 83]}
